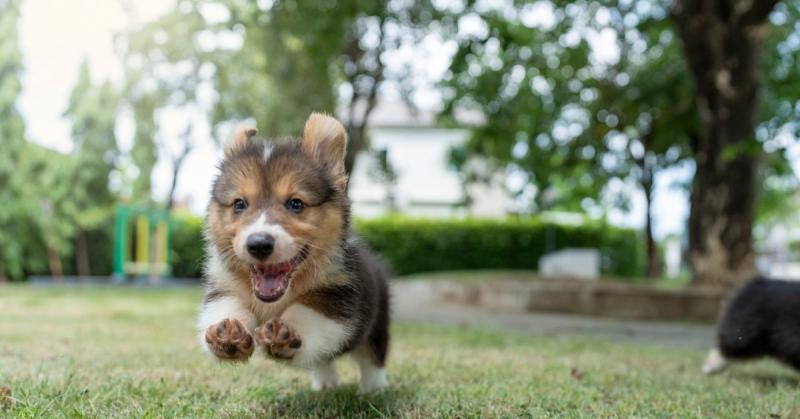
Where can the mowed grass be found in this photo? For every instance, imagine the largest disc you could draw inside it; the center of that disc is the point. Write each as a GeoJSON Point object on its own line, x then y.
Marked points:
{"type": "Point", "coordinates": [127, 352]}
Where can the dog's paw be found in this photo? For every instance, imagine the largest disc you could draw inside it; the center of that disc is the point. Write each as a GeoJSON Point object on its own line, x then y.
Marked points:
{"type": "Point", "coordinates": [277, 339]}
{"type": "Point", "coordinates": [372, 381]}
{"type": "Point", "coordinates": [715, 362]}
{"type": "Point", "coordinates": [229, 340]}
{"type": "Point", "coordinates": [324, 377]}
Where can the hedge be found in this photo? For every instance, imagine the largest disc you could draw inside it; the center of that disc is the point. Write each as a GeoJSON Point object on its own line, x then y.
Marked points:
{"type": "Point", "coordinates": [417, 245]}
{"type": "Point", "coordinates": [188, 248]}
{"type": "Point", "coordinates": [412, 245]}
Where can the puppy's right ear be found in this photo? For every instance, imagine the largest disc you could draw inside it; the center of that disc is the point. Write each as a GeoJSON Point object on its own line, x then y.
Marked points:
{"type": "Point", "coordinates": [238, 140]}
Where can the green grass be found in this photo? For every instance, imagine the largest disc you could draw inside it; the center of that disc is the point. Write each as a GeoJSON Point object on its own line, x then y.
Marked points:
{"type": "Point", "coordinates": [125, 352]}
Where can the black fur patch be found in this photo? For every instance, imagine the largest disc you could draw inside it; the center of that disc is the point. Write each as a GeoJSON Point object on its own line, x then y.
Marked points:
{"type": "Point", "coordinates": [763, 319]}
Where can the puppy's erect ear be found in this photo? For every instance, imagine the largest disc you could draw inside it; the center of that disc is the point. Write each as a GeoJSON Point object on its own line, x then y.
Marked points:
{"type": "Point", "coordinates": [325, 139]}
{"type": "Point", "coordinates": [241, 135]}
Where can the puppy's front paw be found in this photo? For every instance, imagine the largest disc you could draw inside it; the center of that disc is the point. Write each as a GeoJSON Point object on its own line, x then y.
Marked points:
{"type": "Point", "coordinates": [229, 340]}
{"type": "Point", "coordinates": [277, 339]}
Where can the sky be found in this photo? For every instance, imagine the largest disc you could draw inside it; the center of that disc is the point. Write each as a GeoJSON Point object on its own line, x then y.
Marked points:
{"type": "Point", "coordinates": [56, 36]}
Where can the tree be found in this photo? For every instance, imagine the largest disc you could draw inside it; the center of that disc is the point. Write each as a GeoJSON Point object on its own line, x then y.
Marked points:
{"type": "Point", "coordinates": [165, 70]}
{"type": "Point", "coordinates": [177, 162]}
{"type": "Point", "coordinates": [144, 153]}
{"type": "Point", "coordinates": [52, 208]}
{"type": "Point", "coordinates": [572, 126]}
{"type": "Point", "coordinates": [779, 115]}
{"type": "Point", "coordinates": [315, 56]}
{"type": "Point", "coordinates": [12, 141]}
{"type": "Point", "coordinates": [723, 42]}
{"type": "Point", "coordinates": [526, 79]}
{"type": "Point", "coordinates": [92, 110]}
{"type": "Point", "coordinates": [570, 122]}
{"type": "Point", "coordinates": [276, 62]}
{"type": "Point", "coordinates": [644, 99]}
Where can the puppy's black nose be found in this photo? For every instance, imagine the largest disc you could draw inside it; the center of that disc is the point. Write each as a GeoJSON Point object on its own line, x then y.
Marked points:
{"type": "Point", "coordinates": [260, 245]}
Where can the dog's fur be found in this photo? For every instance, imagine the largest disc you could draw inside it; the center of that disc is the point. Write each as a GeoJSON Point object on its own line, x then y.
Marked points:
{"type": "Point", "coordinates": [335, 300]}
{"type": "Point", "coordinates": [762, 319]}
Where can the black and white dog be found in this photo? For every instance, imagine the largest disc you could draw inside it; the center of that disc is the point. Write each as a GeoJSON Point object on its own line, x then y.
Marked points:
{"type": "Point", "coordinates": [762, 319]}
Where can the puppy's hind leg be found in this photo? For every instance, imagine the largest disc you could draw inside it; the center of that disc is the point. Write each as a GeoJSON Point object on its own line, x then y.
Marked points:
{"type": "Point", "coordinates": [715, 362]}
{"type": "Point", "coordinates": [373, 372]}
{"type": "Point", "coordinates": [324, 376]}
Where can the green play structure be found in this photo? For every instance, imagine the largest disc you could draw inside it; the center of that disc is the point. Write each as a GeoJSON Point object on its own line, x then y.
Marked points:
{"type": "Point", "coordinates": [141, 243]}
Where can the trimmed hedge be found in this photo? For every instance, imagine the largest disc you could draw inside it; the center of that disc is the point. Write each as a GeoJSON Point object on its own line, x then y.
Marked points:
{"type": "Point", "coordinates": [413, 245]}
{"type": "Point", "coordinates": [188, 247]}
{"type": "Point", "coordinates": [419, 245]}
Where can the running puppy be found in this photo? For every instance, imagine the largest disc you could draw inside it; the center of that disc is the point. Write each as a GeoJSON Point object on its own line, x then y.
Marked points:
{"type": "Point", "coordinates": [762, 319]}
{"type": "Point", "coordinates": [284, 273]}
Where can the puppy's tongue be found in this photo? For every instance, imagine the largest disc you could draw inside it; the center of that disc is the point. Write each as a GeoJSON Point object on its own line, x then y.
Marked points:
{"type": "Point", "coordinates": [271, 281]}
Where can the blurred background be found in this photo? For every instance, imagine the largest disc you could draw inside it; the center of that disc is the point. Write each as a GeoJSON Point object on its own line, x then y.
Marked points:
{"type": "Point", "coordinates": [566, 190]}
{"type": "Point", "coordinates": [628, 141]}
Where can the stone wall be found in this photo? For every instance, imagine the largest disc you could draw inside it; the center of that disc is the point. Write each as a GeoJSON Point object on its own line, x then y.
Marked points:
{"type": "Point", "coordinates": [600, 298]}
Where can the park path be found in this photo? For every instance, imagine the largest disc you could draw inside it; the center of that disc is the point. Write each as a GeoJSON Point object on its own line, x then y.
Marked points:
{"type": "Point", "coordinates": [413, 302]}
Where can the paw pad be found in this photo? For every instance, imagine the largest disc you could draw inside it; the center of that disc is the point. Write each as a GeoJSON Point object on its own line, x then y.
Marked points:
{"type": "Point", "coordinates": [230, 340]}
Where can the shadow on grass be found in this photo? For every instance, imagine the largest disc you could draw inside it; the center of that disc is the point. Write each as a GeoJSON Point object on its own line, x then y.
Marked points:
{"type": "Point", "coordinates": [342, 402]}
{"type": "Point", "coordinates": [768, 379]}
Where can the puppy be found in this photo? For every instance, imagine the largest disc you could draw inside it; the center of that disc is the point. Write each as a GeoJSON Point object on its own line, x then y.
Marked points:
{"type": "Point", "coordinates": [284, 273]}
{"type": "Point", "coordinates": [762, 319]}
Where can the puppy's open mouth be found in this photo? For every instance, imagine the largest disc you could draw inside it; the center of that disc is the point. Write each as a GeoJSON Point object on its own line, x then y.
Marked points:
{"type": "Point", "coordinates": [270, 281]}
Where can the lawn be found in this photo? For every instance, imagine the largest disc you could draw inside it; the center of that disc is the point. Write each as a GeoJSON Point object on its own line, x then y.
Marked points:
{"type": "Point", "coordinates": [74, 352]}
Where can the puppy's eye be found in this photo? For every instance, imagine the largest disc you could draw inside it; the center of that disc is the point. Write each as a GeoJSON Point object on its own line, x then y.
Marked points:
{"type": "Point", "coordinates": [295, 205]}
{"type": "Point", "coordinates": [239, 205]}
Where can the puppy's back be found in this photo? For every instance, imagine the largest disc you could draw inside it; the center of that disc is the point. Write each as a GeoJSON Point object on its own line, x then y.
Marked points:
{"type": "Point", "coordinates": [762, 319]}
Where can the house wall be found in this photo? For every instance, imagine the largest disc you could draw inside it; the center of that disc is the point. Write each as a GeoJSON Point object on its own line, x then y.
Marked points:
{"type": "Point", "coordinates": [425, 186]}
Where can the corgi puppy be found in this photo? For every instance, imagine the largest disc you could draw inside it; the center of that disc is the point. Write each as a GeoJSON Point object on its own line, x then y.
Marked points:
{"type": "Point", "coordinates": [284, 273]}
{"type": "Point", "coordinates": [761, 320]}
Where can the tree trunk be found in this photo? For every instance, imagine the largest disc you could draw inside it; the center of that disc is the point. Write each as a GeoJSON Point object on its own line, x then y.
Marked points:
{"type": "Point", "coordinates": [54, 260]}
{"type": "Point", "coordinates": [651, 270]}
{"type": "Point", "coordinates": [177, 164]}
{"type": "Point", "coordinates": [176, 170]}
{"type": "Point", "coordinates": [82, 255]}
{"type": "Point", "coordinates": [3, 276]}
{"type": "Point", "coordinates": [722, 41]}
{"type": "Point", "coordinates": [356, 125]}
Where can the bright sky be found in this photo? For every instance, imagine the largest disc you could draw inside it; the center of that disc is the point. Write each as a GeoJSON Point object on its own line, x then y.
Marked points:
{"type": "Point", "coordinates": [57, 35]}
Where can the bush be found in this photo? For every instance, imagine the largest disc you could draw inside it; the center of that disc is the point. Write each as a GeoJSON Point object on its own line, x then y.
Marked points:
{"type": "Point", "coordinates": [414, 245]}
{"type": "Point", "coordinates": [188, 248]}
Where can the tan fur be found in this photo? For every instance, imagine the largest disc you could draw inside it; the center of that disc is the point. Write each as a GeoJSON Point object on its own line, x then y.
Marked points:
{"type": "Point", "coordinates": [326, 139]}
{"type": "Point", "coordinates": [241, 135]}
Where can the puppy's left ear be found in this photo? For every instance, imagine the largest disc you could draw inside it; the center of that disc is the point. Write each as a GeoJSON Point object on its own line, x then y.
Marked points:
{"type": "Point", "coordinates": [325, 139]}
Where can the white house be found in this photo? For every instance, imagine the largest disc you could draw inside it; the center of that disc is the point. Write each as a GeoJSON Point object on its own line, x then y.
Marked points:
{"type": "Point", "coordinates": [418, 152]}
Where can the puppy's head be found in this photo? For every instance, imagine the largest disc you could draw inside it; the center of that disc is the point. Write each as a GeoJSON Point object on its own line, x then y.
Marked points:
{"type": "Point", "coordinates": [279, 208]}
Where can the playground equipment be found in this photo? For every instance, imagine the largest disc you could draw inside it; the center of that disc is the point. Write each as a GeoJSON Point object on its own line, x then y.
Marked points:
{"type": "Point", "coordinates": [141, 243]}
